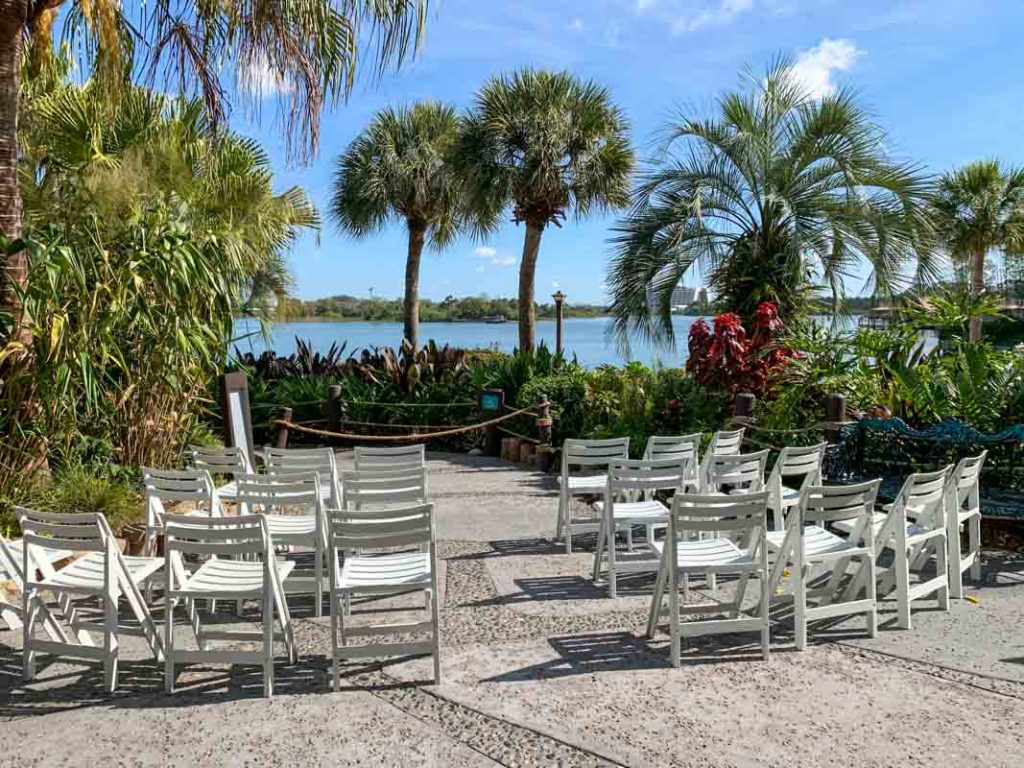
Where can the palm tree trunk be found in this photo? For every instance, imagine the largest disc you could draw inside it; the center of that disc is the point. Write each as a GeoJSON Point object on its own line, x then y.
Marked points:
{"type": "Point", "coordinates": [527, 273]}
{"type": "Point", "coordinates": [12, 21]}
{"type": "Point", "coordinates": [417, 234]}
{"type": "Point", "coordinates": [977, 286]}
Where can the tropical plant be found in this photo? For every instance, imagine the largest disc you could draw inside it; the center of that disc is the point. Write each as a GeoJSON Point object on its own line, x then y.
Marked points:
{"type": "Point", "coordinates": [794, 186]}
{"type": "Point", "coordinates": [549, 145]}
{"type": "Point", "coordinates": [303, 55]}
{"type": "Point", "coordinates": [400, 167]}
{"type": "Point", "coordinates": [978, 208]}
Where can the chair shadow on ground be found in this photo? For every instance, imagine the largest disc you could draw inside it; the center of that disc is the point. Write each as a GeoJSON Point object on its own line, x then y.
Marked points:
{"type": "Point", "coordinates": [575, 588]}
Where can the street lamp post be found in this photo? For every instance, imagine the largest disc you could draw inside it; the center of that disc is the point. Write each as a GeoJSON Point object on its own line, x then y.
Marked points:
{"type": "Point", "coordinates": [559, 298]}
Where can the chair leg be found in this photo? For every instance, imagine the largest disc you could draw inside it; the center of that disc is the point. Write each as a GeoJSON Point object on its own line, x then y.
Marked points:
{"type": "Point", "coordinates": [656, 602]}
{"type": "Point", "coordinates": [953, 572]}
{"type": "Point", "coordinates": [942, 569]}
{"type": "Point", "coordinates": [800, 605]}
{"type": "Point", "coordinates": [902, 569]}
{"type": "Point", "coordinates": [872, 594]}
{"type": "Point", "coordinates": [974, 546]}
{"type": "Point", "coordinates": [268, 640]}
{"type": "Point", "coordinates": [27, 626]}
{"type": "Point", "coordinates": [765, 611]}
{"type": "Point", "coordinates": [673, 613]}
{"type": "Point", "coordinates": [110, 641]}
{"type": "Point", "coordinates": [169, 643]}
{"type": "Point", "coordinates": [318, 572]}
{"type": "Point", "coordinates": [599, 551]}
{"type": "Point", "coordinates": [435, 619]}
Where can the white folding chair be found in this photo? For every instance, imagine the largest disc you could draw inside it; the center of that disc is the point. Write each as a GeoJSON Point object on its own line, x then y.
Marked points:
{"type": "Point", "coordinates": [12, 558]}
{"type": "Point", "coordinates": [240, 565]}
{"type": "Point", "coordinates": [806, 544]}
{"type": "Point", "coordinates": [594, 457]}
{"type": "Point", "coordinates": [630, 500]}
{"type": "Point", "coordinates": [294, 511]}
{"type": "Point", "coordinates": [799, 467]}
{"type": "Point", "coordinates": [964, 500]}
{"type": "Point", "coordinates": [735, 473]}
{"type": "Point", "coordinates": [227, 461]}
{"type": "Point", "coordinates": [389, 457]}
{"type": "Point", "coordinates": [723, 443]}
{"type": "Point", "coordinates": [101, 573]}
{"type": "Point", "coordinates": [297, 460]}
{"type": "Point", "coordinates": [914, 528]}
{"type": "Point", "coordinates": [737, 546]}
{"type": "Point", "coordinates": [173, 485]}
{"type": "Point", "coordinates": [378, 488]}
{"type": "Point", "coordinates": [386, 553]}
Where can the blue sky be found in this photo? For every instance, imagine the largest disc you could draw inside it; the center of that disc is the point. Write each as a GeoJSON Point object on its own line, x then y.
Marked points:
{"type": "Point", "coordinates": [944, 77]}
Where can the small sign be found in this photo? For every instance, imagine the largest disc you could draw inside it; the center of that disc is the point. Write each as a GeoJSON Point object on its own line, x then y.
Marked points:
{"type": "Point", "coordinates": [491, 400]}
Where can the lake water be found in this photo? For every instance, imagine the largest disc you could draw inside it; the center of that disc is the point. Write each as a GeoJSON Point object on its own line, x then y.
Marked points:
{"type": "Point", "coordinates": [586, 338]}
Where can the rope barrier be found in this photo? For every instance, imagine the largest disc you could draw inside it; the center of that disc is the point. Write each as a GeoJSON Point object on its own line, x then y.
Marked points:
{"type": "Point", "coordinates": [525, 438]}
{"type": "Point", "coordinates": [402, 438]}
{"type": "Point", "coordinates": [743, 421]}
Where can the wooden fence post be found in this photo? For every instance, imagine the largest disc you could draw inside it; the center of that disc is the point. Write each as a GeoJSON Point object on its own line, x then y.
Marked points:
{"type": "Point", "coordinates": [334, 408]}
{"type": "Point", "coordinates": [283, 414]}
{"type": "Point", "coordinates": [835, 414]}
{"type": "Point", "coordinates": [542, 457]}
{"type": "Point", "coordinates": [743, 408]}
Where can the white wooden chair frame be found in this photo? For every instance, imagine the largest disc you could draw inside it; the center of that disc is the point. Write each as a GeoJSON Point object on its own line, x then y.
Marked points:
{"type": "Point", "coordinates": [723, 443]}
{"type": "Point", "coordinates": [240, 565]}
{"type": "Point", "coordinates": [807, 545]}
{"type": "Point", "coordinates": [102, 572]}
{"type": "Point", "coordinates": [272, 496]}
{"type": "Point", "coordinates": [173, 485]}
{"type": "Point", "coordinates": [290, 461]}
{"type": "Point", "coordinates": [792, 462]}
{"type": "Point", "coordinates": [376, 457]}
{"type": "Point", "coordinates": [355, 534]}
{"type": "Point", "coordinates": [381, 486]}
{"type": "Point", "coordinates": [220, 460]}
{"type": "Point", "coordinates": [964, 499]}
{"type": "Point", "coordinates": [590, 454]}
{"type": "Point", "coordinates": [12, 558]}
{"type": "Point", "coordinates": [914, 528]}
{"type": "Point", "coordinates": [738, 524]}
{"type": "Point", "coordinates": [629, 500]}
{"type": "Point", "coordinates": [743, 473]}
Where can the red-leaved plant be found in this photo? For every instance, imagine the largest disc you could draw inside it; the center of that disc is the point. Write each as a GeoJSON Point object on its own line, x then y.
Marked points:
{"type": "Point", "coordinates": [729, 360]}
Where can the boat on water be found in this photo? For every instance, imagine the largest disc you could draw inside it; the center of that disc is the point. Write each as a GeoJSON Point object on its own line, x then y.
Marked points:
{"type": "Point", "coordinates": [495, 319]}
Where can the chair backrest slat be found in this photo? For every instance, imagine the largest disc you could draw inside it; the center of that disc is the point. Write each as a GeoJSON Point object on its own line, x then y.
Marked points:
{"type": "Point", "coordinates": [662, 474]}
{"type": "Point", "coordinates": [821, 505]}
{"type": "Point", "coordinates": [736, 470]}
{"type": "Point", "coordinates": [273, 492]}
{"type": "Point", "coordinates": [235, 535]}
{"type": "Point", "coordinates": [381, 487]}
{"type": "Point", "coordinates": [923, 497]}
{"type": "Point", "coordinates": [220, 460]}
{"type": "Point", "coordinates": [396, 527]}
{"type": "Point", "coordinates": [389, 457]}
{"type": "Point", "coordinates": [593, 453]}
{"type": "Point", "coordinates": [744, 514]}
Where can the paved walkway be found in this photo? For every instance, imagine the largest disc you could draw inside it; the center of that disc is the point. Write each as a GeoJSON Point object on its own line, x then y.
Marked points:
{"type": "Point", "coordinates": [541, 668]}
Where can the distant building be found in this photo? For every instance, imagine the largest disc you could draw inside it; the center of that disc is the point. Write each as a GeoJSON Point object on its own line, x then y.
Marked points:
{"type": "Point", "coordinates": [683, 296]}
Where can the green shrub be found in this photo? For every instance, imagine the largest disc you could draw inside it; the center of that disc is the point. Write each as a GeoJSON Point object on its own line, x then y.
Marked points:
{"type": "Point", "coordinates": [77, 488]}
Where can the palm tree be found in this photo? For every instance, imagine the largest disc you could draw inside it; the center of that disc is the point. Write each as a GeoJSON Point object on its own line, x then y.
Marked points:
{"type": "Point", "coordinates": [303, 53]}
{"type": "Point", "coordinates": [548, 144]}
{"type": "Point", "coordinates": [400, 167]}
{"type": "Point", "coordinates": [777, 190]}
{"type": "Point", "coordinates": [978, 208]}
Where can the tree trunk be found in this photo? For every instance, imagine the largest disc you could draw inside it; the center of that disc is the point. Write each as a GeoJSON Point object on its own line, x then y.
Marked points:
{"type": "Point", "coordinates": [977, 287]}
{"type": "Point", "coordinates": [527, 273]}
{"type": "Point", "coordinates": [417, 234]}
{"type": "Point", "coordinates": [12, 22]}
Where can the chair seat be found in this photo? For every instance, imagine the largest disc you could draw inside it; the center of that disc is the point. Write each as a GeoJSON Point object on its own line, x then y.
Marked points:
{"type": "Point", "coordinates": [651, 511]}
{"type": "Point", "coordinates": [291, 525]}
{"type": "Point", "coordinates": [790, 497]}
{"type": "Point", "coordinates": [817, 541]}
{"type": "Point", "coordinates": [16, 548]}
{"type": "Point", "coordinates": [715, 553]}
{"type": "Point", "coordinates": [228, 491]}
{"type": "Point", "coordinates": [586, 483]}
{"type": "Point", "coordinates": [235, 577]}
{"type": "Point", "coordinates": [85, 575]}
{"type": "Point", "coordinates": [877, 520]}
{"type": "Point", "coordinates": [401, 569]}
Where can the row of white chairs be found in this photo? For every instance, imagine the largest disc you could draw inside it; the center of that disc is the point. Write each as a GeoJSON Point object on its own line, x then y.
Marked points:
{"type": "Point", "coordinates": [379, 543]}
{"type": "Point", "coordinates": [718, 522]}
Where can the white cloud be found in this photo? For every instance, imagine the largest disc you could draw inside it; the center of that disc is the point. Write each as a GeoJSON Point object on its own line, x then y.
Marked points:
{"type": "Point", "coordinates": [814, 67]}
{"type": "Point", "coordinates": [486, 252]}
{"type": "Point", "coordinates": [258, 78]}
{"type": "Point", "coordinates": [503, 261]}
{"type": "Point", "coordinates": [724, 12]}
{"type": "Point", "coordinates": [555, 284]}
{"type": "Point", "coordinates": [643, 5]}
{"type": "Point", "coordinates": [576, 25]}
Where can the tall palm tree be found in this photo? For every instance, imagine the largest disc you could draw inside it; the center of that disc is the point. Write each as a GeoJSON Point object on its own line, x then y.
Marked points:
{"type": "Point", "coordinates": [303, 53]}
{"type": "Point", "coordinates": [978, 208]}
{"type": "Point", "coordinates": [775, 191]}
{"type": "Point", "coordinates": [549, 144]}
{"type": "Point", "coordinates": [400, 167]}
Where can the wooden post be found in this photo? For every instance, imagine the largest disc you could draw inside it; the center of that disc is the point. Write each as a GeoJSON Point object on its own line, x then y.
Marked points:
{"type": "Point", "coordinates": [283, 414]}
{"type": "Point", "coordinates": [542, 455]}
{"type": "Point", "coordinates": [334, 408]}
{"type": "Point", "coordinates": [559, 298]}
{"type": "Point", "coordinates": [743, 409]}
{"type": "Point", "coordinates": [835, 413]}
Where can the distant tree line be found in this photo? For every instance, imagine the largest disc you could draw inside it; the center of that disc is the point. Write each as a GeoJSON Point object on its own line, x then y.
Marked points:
{"type": "Point", "coordinates": [451, 309]}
